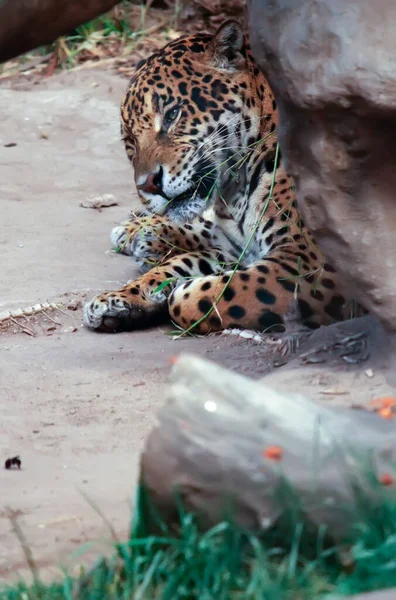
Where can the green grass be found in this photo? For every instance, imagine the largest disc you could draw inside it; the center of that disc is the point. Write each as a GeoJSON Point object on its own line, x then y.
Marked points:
{"type": "Point", "coordinates": [294, 563]}
{"type": "Point", "coordinates": [117, 31]}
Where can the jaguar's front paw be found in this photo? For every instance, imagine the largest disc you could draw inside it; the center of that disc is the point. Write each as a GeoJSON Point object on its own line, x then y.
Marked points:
{"type": "Point", "coordinates": [121, 237]}
{"type": "Point", "coordinates": [141, 242]}
{"type": "Point", "coordinates": [116, 311]}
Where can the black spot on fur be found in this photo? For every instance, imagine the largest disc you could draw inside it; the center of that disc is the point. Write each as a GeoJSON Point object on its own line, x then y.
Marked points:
{"type": "Point", "coordinates": [317, 294]}
{"type": "Point", "coordinates": [270, 163]}
{"type": "Point", "coordinates": [236, 312]}
{"type": "Point", "coordinates": [199, 100]}
{"type": "Point", "coordinates": [206, 286]}
{"type": "Point", "coordinates": [188, 262]}
{"type": "Point", "coordinates": [205, 267]}
{"type": "Point", "coordinates": [268, 225]}
{"type": "Point", "coordinates": [329, 268]}
{"type": "Point", "coordinates": [286, 215]}
{"type": "Point", "coordinates": [269, 319]}
{"type": "Point", "coordinates": [204, 306]}
{"type": "Point", "coordinates": [183, 88]}
{"type": "Point", "coordinates": [289, 269]}
{"type": "Point", "coordinates": [334, 308]}
{"type": "Point", "coordinates": [180, 271]}
{"type": "Point", "coordinates": [255, 179]}
{"type": "Point", "coordinates": [195, 47]}
{"type": "Point", "coordinates": [283, 230]}
{"type": "Point", "coordinates": [265, 296]}
{"type": "Point", "coordinates": [305, 310]}
{"type": "Point", "coordinates": [288, 285]}
{"type": "Point", "coordinates": [176, 74]}
{"type": "Point", "coordinates": [218, 88]}
{"type": "Point", "coordinates": [328, 283]}
{"type": "Point", "coordinates": [215, 321]}
{"type": "Point", "coordinates": [262, 269]}
{"type": "Point", "coordinates": [229, 294]}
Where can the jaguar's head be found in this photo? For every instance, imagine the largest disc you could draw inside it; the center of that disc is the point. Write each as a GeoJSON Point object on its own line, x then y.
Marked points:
{"type": "Point", "coordinates": [189, 113]}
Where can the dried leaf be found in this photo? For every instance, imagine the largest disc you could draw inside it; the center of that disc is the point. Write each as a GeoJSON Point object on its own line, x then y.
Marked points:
{"type": "Point", "coordinates": [100, 202]}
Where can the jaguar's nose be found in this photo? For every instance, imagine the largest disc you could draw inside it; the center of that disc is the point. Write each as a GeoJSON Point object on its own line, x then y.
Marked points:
{"type": "Point", "coordinates": [153, 183]}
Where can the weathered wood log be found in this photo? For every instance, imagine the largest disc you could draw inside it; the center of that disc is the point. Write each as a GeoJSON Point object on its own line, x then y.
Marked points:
{"type": "Point", "coordinates": [216, 443]}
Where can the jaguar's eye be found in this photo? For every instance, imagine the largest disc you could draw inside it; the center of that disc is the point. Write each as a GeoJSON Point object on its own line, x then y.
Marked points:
{"type": "Point", "coordinates": [172, 114]}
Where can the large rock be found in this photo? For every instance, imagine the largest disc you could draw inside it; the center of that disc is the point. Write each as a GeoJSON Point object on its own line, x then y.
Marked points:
{"type": "Point", "coordinates": [332, 66]}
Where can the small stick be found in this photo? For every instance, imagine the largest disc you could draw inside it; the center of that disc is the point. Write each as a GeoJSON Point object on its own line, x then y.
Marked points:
{"type": "Point", "coordinates": [22, 540]}
{"type": "Point", "coordinates": [50, 318]}
{"type": "Point", "coordinates": [23, 327]}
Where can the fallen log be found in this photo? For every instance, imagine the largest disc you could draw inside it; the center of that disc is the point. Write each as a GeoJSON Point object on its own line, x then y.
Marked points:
{"type": "Point", "coordinates": [222, 440]}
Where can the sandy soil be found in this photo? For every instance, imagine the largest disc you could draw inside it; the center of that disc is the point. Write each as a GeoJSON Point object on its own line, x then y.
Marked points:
{"type": "Point", "coordinates": [76, 406]}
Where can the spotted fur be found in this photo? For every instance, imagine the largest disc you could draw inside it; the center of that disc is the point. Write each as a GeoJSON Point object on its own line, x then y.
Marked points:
{"type": "Point", "coordinates": [199, 125]}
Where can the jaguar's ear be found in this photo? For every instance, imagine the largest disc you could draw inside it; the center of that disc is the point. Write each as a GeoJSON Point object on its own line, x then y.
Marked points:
{"type": "Point", "coordinates": [140, 64]}
{"type": "Point", "coordinates": [226, 46]}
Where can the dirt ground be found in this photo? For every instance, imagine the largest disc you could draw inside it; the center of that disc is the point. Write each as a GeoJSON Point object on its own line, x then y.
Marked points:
{"type": "Point", "coordinates": [75, 405]}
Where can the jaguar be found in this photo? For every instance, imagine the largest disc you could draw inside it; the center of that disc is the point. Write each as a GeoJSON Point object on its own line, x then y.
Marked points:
{"type": "Point", "coordinates": [219, 239]}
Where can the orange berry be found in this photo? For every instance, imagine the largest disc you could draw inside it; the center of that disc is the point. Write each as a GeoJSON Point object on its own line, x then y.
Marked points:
{"type": "Point", "coordinates": [386, 401]}
{"type": "Point", "coordinates": [386, 479]}
{"type": "Point", "coordinates": [273, 453]}
{"type": "Point", "coordinates": [173, 360]}
{"type": "Point", "coordinates": [389, 401]}
{"type": "Point", "coordinates": [386, 413]}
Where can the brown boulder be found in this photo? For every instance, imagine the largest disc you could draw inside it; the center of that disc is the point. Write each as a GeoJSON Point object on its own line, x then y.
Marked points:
{"type": "Point", "coordinates": [24, 24]}
{"type": "Point", "coordinates": [332, 67]}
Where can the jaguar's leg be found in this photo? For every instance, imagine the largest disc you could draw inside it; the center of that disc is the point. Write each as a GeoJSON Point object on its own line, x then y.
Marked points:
{"type": "Point", "coordinates": [151, 239]}
{"type": "Point", "coordinates": [144, 301]}
{"type": "Point", "coordinates": [257, 297]}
